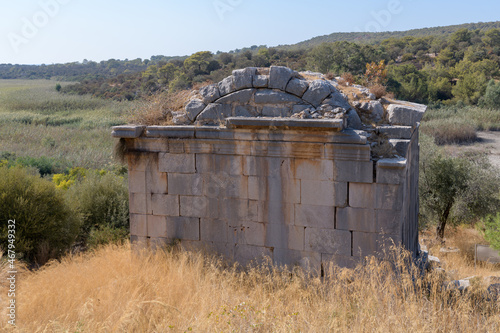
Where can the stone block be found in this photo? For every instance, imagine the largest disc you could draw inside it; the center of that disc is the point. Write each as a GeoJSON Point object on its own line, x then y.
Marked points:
{"type": "Point", "coordinates": [163, 204]}
{"type": "Point", "coordinates": [389, 222]}
{"type": "Point", "coordinates": [401, 146]}
{"type": "Point", "coordinates": [233, 210]}
{"type": "Point", "coordinates": [260, 81]}
{"type": "Point", "coordinates": [337, 99]}
{"type": "Point", "coordinates": [274, 111]}
{"type": "Point", "coordinates": [240, 97]}
{"type": "Point", "coordinates": [223, 185]}
{"type": "Point", "coordinates": [328, 241]}
{"type": "Point", "coordinates": [156, 182]}
{"type": "Point", "coordinates": [137, 161]}
{"type": "Point", "coordinates": [389, 196]}
{"type": "Point", "coordinates": [323, 193]}
{"type": "Point", "coordinates": [176, 132]}
{"type": "Point", "coordinates": [250, 233]}
{"type": "Point", "coordinates": [365, 244]}
{"type": "Point", "coordinates": [243, 78]}
{"type": "Point", "coordinates": [348, 152]}
{"type": "Point", "coordinates": [284, 236]}
{"type": "Point", "coordinates": [212, 163]}
{"type": "Point", "coordinates": [139, 244]}
{"type": "Point", "coordinates": [179, 163]}
{"type": "Point", "coordinates": [226, 86]}
{"type": "Point", "coordinates": [353, 171]}
{"type": "Point", "coordinates": [138, 225]}
{"type": "Point", "coordinates": [391, 171]}
{"type": "Point", "coordinates": [396, 132]}
{"type": "Point", "coordinates": [267, 166]}
{"type": "Point", "coordinates": [185, 184]}
{"type": "Point", "coordinates": [214, 114]}
{"type": "Point", "coordinates": [353, 120]}
{"type": "Point", "coordinates": [297, 87]}
{"type": "Point", "coordinates": [276, 212]}
{"type": "Point", "coordinates": [183, 228]}
{"type": "Point", "coordinates": [137, 181]}
{"type": "Point", "coordinates": [214, 230]}
{"type": "Point", "coordinates": [138, 203]}
{"type": "Point", "coordinates": [268, 96]}
{"type": "Point", "coordinates": [199, 206]}
{"type": "Point", "coordinates": [315, 216]}
{"type": "Point", "coordinates": [328, 260]}
{"type": "Point", "coordinates": [194, 107]}
{"type": "Point", "coordinates": [362, 195]}
{"type": "Point", "coordinates": [317, 92]}
{"type": "Point", "coordinates": [210, 93]}
{"type": "Point", "coordinates": [405, 115]}
{"type": "Point", "coordinates": [279, 77]}
{"type": "Point", "coordinates": [307, 260]}
{"type": "Point", "coordinates": [356, 219]}
{"type": "Point", "coordinates": [245, 111]}
{"type": "Point", "coordinates": [127, 131]}
{"type": "Point", "coordinates": [245, 254]}
{"type": "Point", "coordinates": [157, 226]}
{"type": "Point", "coordinates": [313, 169]}
{"type": "Point", "coordinates": [274, 189]}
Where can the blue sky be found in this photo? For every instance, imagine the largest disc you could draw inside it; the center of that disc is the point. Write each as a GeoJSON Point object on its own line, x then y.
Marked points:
{"type": "Point", "coordinates": [55, 31]}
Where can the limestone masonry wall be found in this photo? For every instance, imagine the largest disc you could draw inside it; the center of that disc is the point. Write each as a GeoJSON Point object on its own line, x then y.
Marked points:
{"type": "Point", "coordinates": [297, 184]}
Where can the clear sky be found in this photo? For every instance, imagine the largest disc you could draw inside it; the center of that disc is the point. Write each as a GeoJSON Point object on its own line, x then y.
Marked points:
{"type": "Point", "coordinates": [55, 31]}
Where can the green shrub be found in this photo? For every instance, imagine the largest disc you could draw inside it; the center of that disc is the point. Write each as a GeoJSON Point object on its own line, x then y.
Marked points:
{"type": "Point", "coordinates": [45, 225]}
{"type": "Point", "coordinates": [101, 200]}
{"type": "Point", "coordinates": [491, 98]}
{"type": "Point", "coordinates": [103, 235]}
{"type": "Point", "coordinates": [492, 230]}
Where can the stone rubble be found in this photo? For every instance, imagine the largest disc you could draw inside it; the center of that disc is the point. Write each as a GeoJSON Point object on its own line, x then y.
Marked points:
{"type": "Point", "coordinates": [281, 92]}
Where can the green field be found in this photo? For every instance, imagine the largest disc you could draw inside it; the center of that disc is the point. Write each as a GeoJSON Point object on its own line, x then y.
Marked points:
{"type": "Point", "coordinates": [37, 121]}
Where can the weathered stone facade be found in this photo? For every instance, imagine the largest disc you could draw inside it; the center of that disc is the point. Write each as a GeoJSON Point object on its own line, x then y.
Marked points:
{"type": "Point", "coordinates": [300, 187]}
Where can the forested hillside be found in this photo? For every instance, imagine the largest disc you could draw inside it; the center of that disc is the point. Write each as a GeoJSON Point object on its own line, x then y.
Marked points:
{"type": "Point", "coordinates": [427, 69]}
{"type": "Point", "coordinates": [443, 65]}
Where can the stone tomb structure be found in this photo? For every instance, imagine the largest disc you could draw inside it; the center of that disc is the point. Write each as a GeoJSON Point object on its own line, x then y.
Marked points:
{"type": "Point", "coordinates": [271, 162]}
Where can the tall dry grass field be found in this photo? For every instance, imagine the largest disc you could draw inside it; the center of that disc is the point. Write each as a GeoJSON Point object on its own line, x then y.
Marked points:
{"type": "Point", "coordinates": [36, 121]}
{"type": "Point", "coordinates": [115, 290]}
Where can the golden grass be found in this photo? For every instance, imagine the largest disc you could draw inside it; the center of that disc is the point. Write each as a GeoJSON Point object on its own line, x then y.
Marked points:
{"type": "Point", "coordinates": [157, 109]}
{"type": "Point", "coordinates": [115, 290]}
{"type": "Point", "coordinates": [460, 265]}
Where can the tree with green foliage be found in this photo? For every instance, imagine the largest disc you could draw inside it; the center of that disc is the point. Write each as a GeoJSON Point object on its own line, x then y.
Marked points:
{"type": "Point", "coordinates": [455, 189]}
{"type": "Point", "coordinates": [491, 98]}
{"type": "Point", "coordinates": [198, 62]}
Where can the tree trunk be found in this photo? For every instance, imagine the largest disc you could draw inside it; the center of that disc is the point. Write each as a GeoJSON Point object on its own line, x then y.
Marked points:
{"type": "Point", "coordinates": [442, 222]}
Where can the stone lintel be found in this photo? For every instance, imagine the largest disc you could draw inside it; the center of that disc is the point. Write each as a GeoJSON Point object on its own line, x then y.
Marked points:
{"type": "Point", "coordinates": [252, 122]}
{"type": "Point", "coordinates": [129, 131]}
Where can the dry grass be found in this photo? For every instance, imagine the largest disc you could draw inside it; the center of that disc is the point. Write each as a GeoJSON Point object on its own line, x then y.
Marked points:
{"type": "Point", "coordinates": [460, 265]}
{"type": "Point", "coordinates": [157, 109]}
{"type": "Point", "coordinates": [450, 131]}
{"type": "Point", "coordinates": [378, 90]}
{"type": "Point", "coordinates": [114, 290]}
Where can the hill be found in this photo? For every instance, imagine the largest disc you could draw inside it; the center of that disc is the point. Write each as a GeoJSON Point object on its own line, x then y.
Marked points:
{"type": "Point", "coordinates": [376, 37]}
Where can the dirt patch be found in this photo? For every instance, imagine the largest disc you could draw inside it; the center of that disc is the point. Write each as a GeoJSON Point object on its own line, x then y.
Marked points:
{"type": "Point", "coordinates": [488, 143]}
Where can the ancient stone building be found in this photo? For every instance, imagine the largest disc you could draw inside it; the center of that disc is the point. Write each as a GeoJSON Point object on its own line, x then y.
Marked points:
{"type": "Point", "coordinates": [271, 162]}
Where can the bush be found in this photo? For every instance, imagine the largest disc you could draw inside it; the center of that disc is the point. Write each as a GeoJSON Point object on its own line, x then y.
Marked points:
{"type": "Point", "coordinates": [45, 226]}
{"type": "Point", "coordinates": [492, 230]}
{"type": "Point", "coordinates": [491, 98]}
{"type": "Point", "coordinates": [101, 200]}
{"type": "Point", "coordinates": [103, 235]}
